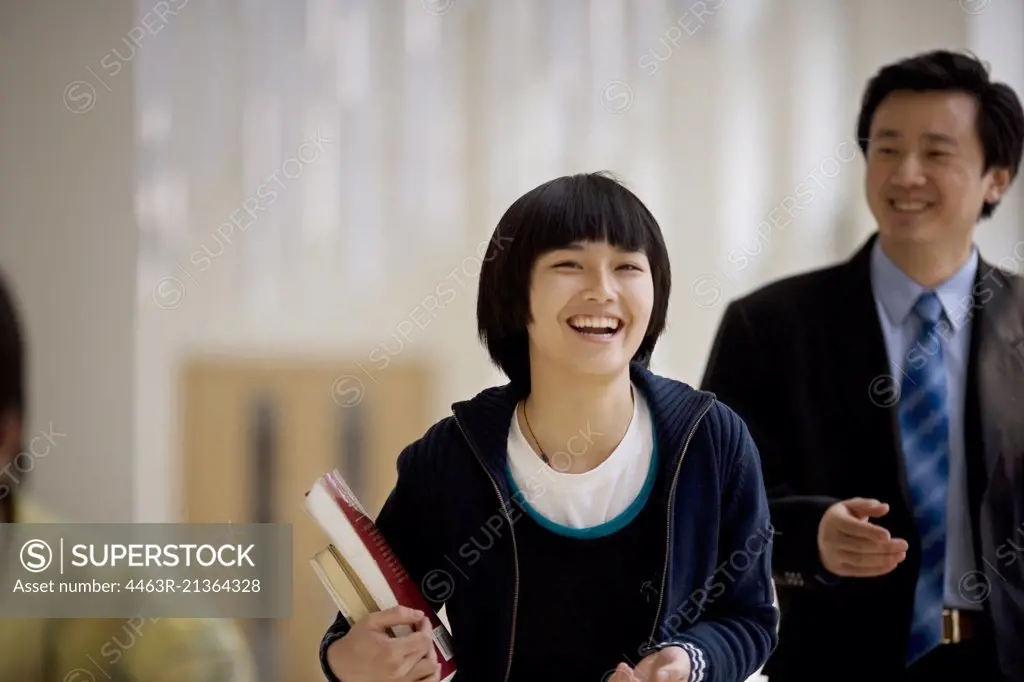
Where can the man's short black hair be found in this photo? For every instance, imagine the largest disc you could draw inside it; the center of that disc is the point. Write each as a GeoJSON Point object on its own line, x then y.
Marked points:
{"type": "Point", "coordinates": [586, 207]}
{"type": "Point", "coordinates": [1000, 117]}
{"type": "Point", "coordinates": [12, 353]}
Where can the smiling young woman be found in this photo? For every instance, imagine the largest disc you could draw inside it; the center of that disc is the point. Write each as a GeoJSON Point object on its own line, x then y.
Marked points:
{"type": "Point", "coordinates": [601, 477]}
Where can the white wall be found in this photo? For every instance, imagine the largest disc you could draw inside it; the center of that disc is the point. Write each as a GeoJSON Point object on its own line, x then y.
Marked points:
{"type": "Point", "coordinates": [68, 242]}
{"type": "Point", "coordinates": [442, 152]}
{"type": "Point", "coordinates": [442, 118]}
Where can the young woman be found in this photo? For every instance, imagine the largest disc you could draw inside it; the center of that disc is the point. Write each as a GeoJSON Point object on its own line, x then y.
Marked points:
{"type": "Point", "coordinates": [589, 520]}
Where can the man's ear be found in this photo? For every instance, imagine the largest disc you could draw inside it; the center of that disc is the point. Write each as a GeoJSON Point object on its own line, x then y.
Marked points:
{"type": "Point", "coordinates": [10, 435]}
{"type": "Point", "coordinates": [999, 184]}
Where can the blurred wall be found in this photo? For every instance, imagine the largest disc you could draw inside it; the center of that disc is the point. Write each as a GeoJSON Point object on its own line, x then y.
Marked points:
{"type": "Point", "coordinates": [69, 243]}
{"type": "Point", "coordinates": [436, 116]}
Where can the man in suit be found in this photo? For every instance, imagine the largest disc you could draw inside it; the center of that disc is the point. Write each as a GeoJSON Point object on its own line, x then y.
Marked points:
{"type": "Point", "coordinates": [88, 649]}
{"type": "Point", "coordinates": [886, 396]}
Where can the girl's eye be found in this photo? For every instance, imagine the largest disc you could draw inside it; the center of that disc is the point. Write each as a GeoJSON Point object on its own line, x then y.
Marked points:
{"type": "Point", "coordinates": [566, 264]}
{"type": "Point", "coordinates": [630, 266]}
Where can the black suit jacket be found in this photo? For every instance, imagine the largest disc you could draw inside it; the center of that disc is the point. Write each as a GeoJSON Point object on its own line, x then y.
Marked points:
{"type": "Point", "coordinates": [803, 361]}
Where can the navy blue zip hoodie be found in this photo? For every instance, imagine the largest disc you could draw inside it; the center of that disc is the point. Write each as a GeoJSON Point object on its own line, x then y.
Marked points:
{"type": "Point", "coordinates": [451, 520]}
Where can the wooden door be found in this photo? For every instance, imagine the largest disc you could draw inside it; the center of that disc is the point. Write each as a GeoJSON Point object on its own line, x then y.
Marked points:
{"type": "Point", "coordinates": [257, 433]}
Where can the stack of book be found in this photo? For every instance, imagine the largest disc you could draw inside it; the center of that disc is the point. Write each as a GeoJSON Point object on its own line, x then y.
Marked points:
{"type": "Point", "coordinates": [358, 568]}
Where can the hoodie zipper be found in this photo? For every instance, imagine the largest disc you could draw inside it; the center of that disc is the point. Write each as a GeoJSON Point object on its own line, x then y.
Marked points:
{"type": "Point", "coordinates": [515, 550]}
{"type": "Point", "coordinates": [668, 520]}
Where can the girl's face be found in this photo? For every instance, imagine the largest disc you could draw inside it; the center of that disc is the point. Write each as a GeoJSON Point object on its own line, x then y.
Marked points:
{"type": "Point", "coordinates": [590, 304]}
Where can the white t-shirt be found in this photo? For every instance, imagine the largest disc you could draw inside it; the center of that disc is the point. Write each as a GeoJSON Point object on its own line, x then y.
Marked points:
{"type": "Point", "coordinates": [592, 498]}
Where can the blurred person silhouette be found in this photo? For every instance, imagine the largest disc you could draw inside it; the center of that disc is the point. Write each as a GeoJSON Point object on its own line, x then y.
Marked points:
{"type": "Point", "coordinates": [566, 496]}
{"type": "Point", "coordinates": [87, 649]}
{"type": "Point", "coordinates": [886, 396]}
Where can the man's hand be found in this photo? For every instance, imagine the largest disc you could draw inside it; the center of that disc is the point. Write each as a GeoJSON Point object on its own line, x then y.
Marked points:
{"type": "Point", "coordinates": [368, 654]}
{"type": "Point", "coordinates": [671, 664]}
{"type": "Point", "coordinates": [851, 546]}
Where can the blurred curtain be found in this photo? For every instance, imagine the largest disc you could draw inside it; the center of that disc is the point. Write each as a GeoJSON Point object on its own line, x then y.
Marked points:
{"type": "Point", "coordinates": [441, 112]}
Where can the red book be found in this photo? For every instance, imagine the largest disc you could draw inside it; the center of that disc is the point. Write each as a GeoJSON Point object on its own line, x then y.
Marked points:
{"type": "Point", "coordinates": [369, 561]}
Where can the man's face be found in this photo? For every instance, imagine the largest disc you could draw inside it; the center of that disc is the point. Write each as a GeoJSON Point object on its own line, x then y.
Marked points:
{"type": "Point", "coordinates": [925, 183]}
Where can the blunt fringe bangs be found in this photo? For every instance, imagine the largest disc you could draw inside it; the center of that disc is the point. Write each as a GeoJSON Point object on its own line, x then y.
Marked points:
{"type": "Point", "coordinates": [586, 207]}
{"type": "Point", "coordinates": [1000, 123]}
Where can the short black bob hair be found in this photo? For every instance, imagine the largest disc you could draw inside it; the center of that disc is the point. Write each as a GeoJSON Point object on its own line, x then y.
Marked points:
{"type": "Point", "coordinates": [586, 207]}
{"type": "Point", "coordinates": [1000, 117]}
{"type": "Point", "coordinates": [12, 353]}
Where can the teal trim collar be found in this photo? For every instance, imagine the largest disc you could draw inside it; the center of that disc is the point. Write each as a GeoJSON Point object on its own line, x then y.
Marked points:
{"type": "Point", "coordinates": [601, 530]}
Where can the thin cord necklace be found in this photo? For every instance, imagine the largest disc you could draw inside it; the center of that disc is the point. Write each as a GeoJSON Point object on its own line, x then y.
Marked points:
{"type": "Point", "coordinates": [543, 455]}
{"type": "Point", "coordinates": [536, 442]}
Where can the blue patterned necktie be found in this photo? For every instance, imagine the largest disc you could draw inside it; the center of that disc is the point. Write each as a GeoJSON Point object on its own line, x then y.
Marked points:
{"type": "Point", "coordinates": [924, 427]}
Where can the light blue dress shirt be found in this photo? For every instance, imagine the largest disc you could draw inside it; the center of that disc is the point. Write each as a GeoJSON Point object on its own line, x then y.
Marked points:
{"type": "Point", "coordinates": [895, 295]}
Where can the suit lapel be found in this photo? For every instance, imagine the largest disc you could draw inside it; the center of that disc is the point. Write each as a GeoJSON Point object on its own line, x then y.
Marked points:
{"type": "Point", "coordinates": [865, 376]}
{"type": "Point", "coordinates": [995, 387]}
{"type": "Point", "coordinates": [994, 438]}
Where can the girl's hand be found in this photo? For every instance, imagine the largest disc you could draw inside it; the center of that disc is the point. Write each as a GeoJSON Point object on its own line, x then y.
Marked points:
{"type": "Point", "coordinates": [671, 664]}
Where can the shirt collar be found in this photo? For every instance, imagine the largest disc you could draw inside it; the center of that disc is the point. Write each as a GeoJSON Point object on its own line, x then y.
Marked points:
{"type": "Point", "coordinates": [898, 293]}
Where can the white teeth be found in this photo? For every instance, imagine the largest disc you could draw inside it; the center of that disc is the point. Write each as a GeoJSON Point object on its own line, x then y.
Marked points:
{"type": "Point", "coordinates": [586, 322]}
{"type": "Point", "coordinates": [910, 205]}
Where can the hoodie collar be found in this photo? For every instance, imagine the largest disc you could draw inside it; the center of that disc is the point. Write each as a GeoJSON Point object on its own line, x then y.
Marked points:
{"type": "Point", "coordinates": [485, 419]}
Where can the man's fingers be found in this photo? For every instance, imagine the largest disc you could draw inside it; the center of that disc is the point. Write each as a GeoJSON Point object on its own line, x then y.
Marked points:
{"type": "Point", "coordinates": [862, 529]}
{"type": "Point", "coordinates": [861, 545]}
{"type": "Point", "coordinates": [850, 571]}
{"type": "Point", "coordinates": [864, 508]}
{"type": "Point", "coordinates": [862, 560]}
